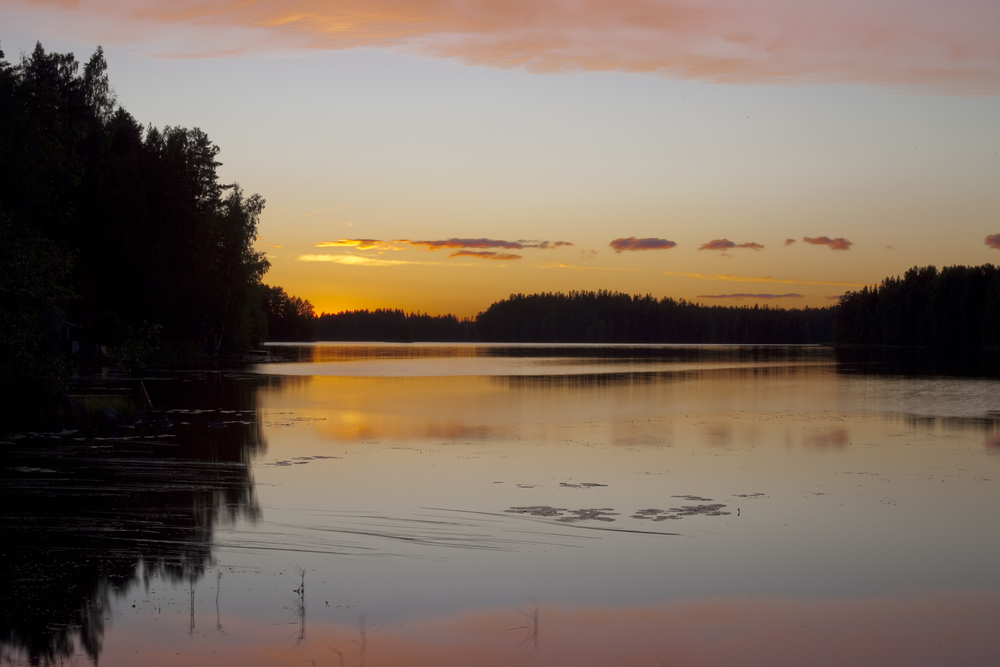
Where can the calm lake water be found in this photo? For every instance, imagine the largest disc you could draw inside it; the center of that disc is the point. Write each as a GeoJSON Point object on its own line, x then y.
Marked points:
{"type": "Point", "coordinates": [455, 505]}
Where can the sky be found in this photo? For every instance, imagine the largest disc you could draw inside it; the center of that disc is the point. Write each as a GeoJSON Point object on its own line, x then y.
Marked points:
{"type": "Point", "coordinates": [439, 155]}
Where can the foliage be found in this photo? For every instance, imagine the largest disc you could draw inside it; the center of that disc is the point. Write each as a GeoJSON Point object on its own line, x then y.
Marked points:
{"type": "Point", "coordinates": [33, 292]}
{"type": "Point", "coordinates": [289, 318]}
{"type": "Point", "coordinates": [113, 231]}
{"type": "Point", "coordinates": [394, 325]}
{"type": "Point", "coordinates": [605, 317]}
{"type": "Point", "coordinates": [588, 317]}
{"type": "Point", "coordinates": [956, 307]}
{"type": "Point", "coordinates": [139, 345]}
{"type": "Point", "coordinates": [154, 235]}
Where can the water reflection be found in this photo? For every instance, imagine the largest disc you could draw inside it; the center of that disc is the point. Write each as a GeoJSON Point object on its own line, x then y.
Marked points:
{"type": "Point", "coordinates": [835, 438]}
{"type": "Point", "coordinates": [947, 628]}
{"type": "Point", "coordinates": [975, 362]}
{"type": "Point", "coordinates": [419, 498]}
{"type": "Point", "coordinates": [538, 408]}
{"type": "Point", "coordinates": [325, 351]}
{"type": "Point", "coordinates": [86, 517]}
{"type": "Point", "coordinates": [423, 360]}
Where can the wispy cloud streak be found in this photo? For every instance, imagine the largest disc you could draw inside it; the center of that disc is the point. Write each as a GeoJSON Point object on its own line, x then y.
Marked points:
{"type": "Point", "coordinates": [360, 244]}
{"type": "Point", "coordinates": [484, 244]}
{"type": "Point", "coordinates": [481, 248]}
{"type": "Point", "coordinates": [950, 46]}
{"type": "Point", "coordinates": [750, 296]}
{"type": "Point", "coordinates": [485, 254]}
{"type": "Point", "coordinates": [357, 260]}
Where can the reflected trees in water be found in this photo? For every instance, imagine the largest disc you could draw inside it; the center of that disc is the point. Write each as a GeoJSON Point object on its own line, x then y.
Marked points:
{"type": "Point", "coordinates": [87, 518]}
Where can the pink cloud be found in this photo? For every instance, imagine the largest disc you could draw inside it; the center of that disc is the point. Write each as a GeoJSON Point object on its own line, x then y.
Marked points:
{"type": "Point", "coordinates": [484, 244]}
{"type": "Point", "coordinates": [484, 254]}
{"type": "Point", "coordinates": [789, 241]}
{"type": "Point", "coordinates": [993, 241]}
{"type": "Point", "coordinates": [835, 244]}
{"type": "Point", "coordinates": [632, 243]}
{"type": "Point", "coordinates": [726, 244]}
{"type": "Point", "coordinates": [947, 46]}
{"type": "Point", "coordinates": [465, 243]}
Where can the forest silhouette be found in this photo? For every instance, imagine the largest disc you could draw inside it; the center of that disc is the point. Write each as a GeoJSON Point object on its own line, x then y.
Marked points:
{"type": "Point", "coordinates": [119, 239]}
{"type": "Point", "coordinates": [589, 317]}
{"type": "Point", "coordinates": [956, 307]}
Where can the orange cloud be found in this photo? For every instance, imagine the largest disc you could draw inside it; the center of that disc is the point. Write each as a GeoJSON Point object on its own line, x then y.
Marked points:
{"type": "Point", "coordinates": [948, 46]}
{"type": "Point", "coordinates": [464, 246]}
{"type": "Point", "coordinates": [632, 243]}
{"type": "Point", "coordinates": [355, 260]}
{"type": "Point", "coordinates": [993, 241]}
{"type": "Point", "coordinates": [726, 244]}
{"type": "Point", "coordinates": [360, 244]}
{"type": "Point", "coordinates": [835, 244]}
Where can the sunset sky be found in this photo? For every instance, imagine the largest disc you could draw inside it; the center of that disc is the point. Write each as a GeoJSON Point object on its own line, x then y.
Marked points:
{"type": "Point", "coordinates": [438, 155]}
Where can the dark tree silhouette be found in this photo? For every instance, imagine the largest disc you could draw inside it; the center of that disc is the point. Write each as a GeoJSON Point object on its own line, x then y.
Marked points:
{"type": "Point", "coordinates": [393, 325]}
{"type": "Point", "coordinates": [613, 317]}
{"type": "Point", "coordinates": [111, 227]}
{"type": "Point", "coordinates": [289, 318]}
{"type": "Point", "coordinates": [957, 307]}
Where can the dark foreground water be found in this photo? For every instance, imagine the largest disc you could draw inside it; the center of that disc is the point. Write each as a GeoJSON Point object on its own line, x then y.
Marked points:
{"type": "Point", "coordinates": [473, 505]}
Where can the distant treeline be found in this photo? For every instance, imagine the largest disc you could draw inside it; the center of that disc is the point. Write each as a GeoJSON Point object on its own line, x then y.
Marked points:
{"type": "Point", "coordinates": [956, 307]}
{"type": "Point", "coordinates": [392, 325]}
{"type": "Point", "coordinates": [117, 239]}
{"type": "Point", "coordinates": [613, 317]}
{"type": "Point", "coordinates": [589, 317]}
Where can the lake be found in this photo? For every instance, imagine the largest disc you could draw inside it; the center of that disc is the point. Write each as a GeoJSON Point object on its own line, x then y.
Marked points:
{"type": "Point", "coordinates": [441, 504]}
